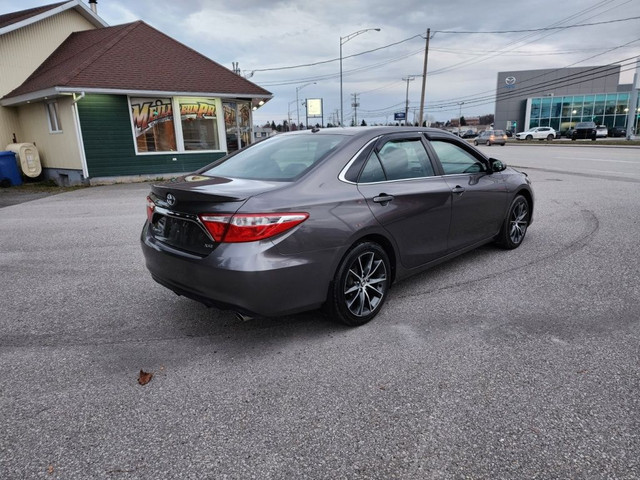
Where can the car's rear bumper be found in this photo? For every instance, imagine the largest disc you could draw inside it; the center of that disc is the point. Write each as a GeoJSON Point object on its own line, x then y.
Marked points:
{"type": "Point", "coordinates": [251, 278]}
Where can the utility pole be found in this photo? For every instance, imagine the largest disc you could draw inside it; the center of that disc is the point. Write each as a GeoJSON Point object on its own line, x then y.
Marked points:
{"type": "Point", "coordinates": [424, 77]}
{"type": "Point", "coordinates": [406, 108]}
{"type": "Point", "coordinates": [355, 106]}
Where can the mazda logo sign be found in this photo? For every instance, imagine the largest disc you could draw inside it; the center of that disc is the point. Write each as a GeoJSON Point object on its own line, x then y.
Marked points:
{"type": "Point", "coordinates": [171, 200]}
{"type": "Point", "coordinates": [510, 80]}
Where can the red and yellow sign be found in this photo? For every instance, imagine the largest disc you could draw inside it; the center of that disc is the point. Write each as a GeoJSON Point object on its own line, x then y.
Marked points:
{"type": "Point", "coordinates": [147, 112]}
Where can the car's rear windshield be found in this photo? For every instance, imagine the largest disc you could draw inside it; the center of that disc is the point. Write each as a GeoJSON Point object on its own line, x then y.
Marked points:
{"type": "Point", "coordinates": [278, 158]}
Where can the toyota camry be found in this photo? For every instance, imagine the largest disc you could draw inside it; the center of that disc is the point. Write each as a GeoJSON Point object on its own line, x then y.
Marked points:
{"type": "Point", "coordinates": [329, 218]}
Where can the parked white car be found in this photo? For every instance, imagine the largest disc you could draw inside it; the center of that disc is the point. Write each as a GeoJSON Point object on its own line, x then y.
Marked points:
{"type": "Point", "coordinates": [537, 133]}
{"type": "Point", "coordinates": [602, 131]}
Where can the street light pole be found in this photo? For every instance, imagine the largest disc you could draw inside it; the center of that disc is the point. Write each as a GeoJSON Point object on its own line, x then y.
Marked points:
{"type": "Point", "coordinates": [289, 113]}
{"type": "Point", "coordinates": [297, 101]}
{"type": "Point", "coordinates": [460, 117]}
{"type": "Point", "coordinates": [344, 40]}
{"type": "Point", "coordinates": [406, 108]}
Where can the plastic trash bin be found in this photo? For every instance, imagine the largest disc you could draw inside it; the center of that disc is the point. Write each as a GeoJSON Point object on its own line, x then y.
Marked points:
{"type": "Point", "coordinates": [9, 173]}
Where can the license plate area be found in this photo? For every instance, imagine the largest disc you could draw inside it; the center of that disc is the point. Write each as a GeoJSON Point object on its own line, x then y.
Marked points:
{"type": "Point", "coordinates": [181, 233]}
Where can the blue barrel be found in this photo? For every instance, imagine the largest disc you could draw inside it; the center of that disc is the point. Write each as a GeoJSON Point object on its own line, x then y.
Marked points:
{"type": "Point", "coordinates": [9, 172]}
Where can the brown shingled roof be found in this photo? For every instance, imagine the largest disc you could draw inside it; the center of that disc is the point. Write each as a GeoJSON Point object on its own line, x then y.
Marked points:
{"type": "Point", "coordinates": [133, 57]}
{"type": "Point", "coordinates": [15, 17]}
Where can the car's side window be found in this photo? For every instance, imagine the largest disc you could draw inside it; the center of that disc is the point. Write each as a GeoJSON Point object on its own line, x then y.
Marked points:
{"type": "Point", "coordinates": [397, 160]}
{"type": "Point", "coordinates": [372, 171]}
{"type": "Point", "coordinates": [455, 159]}
{"type": "Point", "coordinates": [405, 159]}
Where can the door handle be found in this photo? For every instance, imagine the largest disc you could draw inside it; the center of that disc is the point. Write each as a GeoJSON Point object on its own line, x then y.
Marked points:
{"type": "Point", "coordinates": [458, 189]}
{"type": "Point", "coordinates": [383, 199]}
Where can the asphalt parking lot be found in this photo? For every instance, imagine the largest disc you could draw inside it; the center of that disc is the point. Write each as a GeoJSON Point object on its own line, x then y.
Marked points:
{"type": "Point", "coordinates": [497, 365]}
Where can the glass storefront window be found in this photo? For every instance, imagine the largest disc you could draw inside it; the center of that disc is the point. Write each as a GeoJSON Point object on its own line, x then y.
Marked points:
{"type": "Point", "coordinates": [237, 122]}
{"type": "Point", "coordinates": [199, 124]}
{"type": "Point", "coordinates": [622, 103]}
{"type": "Point", "coordinates": [535, 108]}
{"type": "Point", "coordinates": [587, 109]}
{"type": "Point", "coordinates": [172, 124]}
{"type": "Point", "coordinates": [153, 124]}
{"type": "Point", "coordinates": [561, 113]}
{"type": "Point", "coordinates": [556, 107]}
{"type": "Point", "coordinates": [576, 110]}
{"type": "Point", "coordinates": [598, 108]}
{"type": "Point", "coordinates": [545, 109]}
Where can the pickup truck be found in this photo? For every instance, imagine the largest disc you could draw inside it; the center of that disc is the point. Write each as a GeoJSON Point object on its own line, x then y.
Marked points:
{"type": "Point", "coordinates": [584, 130]}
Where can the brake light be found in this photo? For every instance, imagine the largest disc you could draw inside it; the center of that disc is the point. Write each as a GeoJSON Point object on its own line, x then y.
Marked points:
{"type": "Point", "coordinates": [250, 227]}
{"type": "Point", "coordinates": [150, 208]}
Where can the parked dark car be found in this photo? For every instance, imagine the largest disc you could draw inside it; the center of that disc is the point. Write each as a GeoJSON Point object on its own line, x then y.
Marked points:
{"type": "Point", "coordinates": [329, 217]}
{"type": "Point", "coordinates": [584, 130]}
{"type": "Point", "coordinates": [491, 137]}
{"type": "Point", "coordinates": [469, 134]}
{"type": "Point", "coordinates": [617, 132]}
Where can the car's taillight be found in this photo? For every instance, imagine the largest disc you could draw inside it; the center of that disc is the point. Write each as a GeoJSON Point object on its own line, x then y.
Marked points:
{"type": "Point", "coordinates": [249, 227]}
{"type": "Point", "coordinates": [150, 208]}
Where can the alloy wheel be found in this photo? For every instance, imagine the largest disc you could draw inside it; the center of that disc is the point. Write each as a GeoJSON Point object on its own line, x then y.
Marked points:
{"type": "Point", "coordinates": [518, 222]}
{"type": "Point", "coordinates": [365, 284]}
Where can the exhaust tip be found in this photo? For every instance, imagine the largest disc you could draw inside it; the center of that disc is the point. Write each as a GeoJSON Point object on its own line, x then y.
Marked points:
{"type": "Point", "coordinates": [242, 317]}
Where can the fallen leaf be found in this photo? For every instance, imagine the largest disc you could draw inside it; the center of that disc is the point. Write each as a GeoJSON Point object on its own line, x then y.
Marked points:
{"type": "Point", "coordinates": [145, 377]}
{"type": "Point", "coordinates": [50, 469]}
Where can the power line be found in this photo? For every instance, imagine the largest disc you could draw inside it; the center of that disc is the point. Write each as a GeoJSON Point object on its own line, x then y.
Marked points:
{"type": "Point", "coordinates": [538, 29]}
{"type": "Point", "coordinates": [420, 35]}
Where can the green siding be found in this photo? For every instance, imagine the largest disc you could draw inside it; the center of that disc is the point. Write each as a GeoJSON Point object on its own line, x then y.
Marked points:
{"type": "Point", "coordinates": [109, 145]}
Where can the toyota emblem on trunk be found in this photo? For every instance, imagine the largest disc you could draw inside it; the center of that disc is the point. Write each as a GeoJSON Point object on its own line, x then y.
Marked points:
{"type": "Point", "coordinates": [171, 200]}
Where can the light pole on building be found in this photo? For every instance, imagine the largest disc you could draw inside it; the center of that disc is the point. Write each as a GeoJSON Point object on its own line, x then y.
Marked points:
{"type": "Point", "coordinates": [344, 40]}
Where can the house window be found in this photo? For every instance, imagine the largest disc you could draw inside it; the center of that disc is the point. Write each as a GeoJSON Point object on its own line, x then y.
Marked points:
{"type": "Point", "coordinates": [54, 120]}
{"type": "Point", "coordinates": [199, 124]}
{"type": "Point", "coordinates": [153, 124]}
{"type": "Point", "coordinates": [175, 124]}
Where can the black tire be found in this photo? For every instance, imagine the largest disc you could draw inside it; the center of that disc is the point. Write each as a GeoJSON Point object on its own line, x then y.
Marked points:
{"type": "Point", "coordinates": [515, 225]}
{"type": "Point", "coordinates": [488, 143]}
{"type": "Point", "coordinates": [475, 142]}
{"type": "Point", "coordinates": [529, 137]}
{"type": "Point", "coordinates": [549, 137]}
{"type": "Point", "coordinates": [360, 286]}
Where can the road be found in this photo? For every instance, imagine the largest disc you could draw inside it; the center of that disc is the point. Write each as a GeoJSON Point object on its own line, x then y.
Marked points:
{"type": "Point", "coordinates": [497, 365]}
{"type": "Point", "coordinates": [595, 161]}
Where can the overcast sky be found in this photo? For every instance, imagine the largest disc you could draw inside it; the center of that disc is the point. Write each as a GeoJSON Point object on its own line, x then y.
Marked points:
{"type": "Point", "coordinates": [269, 38]}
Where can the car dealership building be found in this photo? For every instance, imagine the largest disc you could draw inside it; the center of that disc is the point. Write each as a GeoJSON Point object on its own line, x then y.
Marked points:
{"type": "Point", "coordinates": [560, 98]}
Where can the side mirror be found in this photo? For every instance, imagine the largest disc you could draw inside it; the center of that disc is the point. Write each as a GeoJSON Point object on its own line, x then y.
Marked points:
{"type": "Point", "coordinates": [497, 165]}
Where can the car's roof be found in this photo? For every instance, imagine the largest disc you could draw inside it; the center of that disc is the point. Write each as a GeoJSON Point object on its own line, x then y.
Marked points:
{"type": "Point", "coordinates": [368, 131]}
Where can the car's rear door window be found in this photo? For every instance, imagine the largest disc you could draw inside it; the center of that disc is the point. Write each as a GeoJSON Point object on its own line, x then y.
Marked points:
{"type": "Point", "coordinates": [397, 159]}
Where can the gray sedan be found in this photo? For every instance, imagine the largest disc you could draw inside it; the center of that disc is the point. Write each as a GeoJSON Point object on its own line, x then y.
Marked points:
{"type": "Point", "coordinates": [329, 218]}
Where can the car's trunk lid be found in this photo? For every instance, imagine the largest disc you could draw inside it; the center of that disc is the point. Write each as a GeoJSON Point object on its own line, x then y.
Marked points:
{"type": "Point", "coordinates": [174, 219]}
